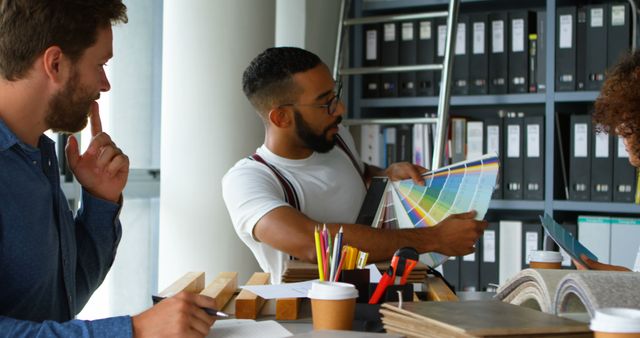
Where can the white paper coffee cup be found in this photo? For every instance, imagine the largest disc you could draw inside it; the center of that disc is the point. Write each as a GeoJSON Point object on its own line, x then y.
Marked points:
{"type": "Point", "coordinates": [332, 305]}
{"type": "Point", "coordinates": [540, 259]}
{"type": "Point", "coordinates": [616, 322]}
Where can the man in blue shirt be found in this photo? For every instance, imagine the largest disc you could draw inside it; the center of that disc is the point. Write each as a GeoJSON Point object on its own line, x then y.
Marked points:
{"type": "Point", "coordinates": [52, 55]}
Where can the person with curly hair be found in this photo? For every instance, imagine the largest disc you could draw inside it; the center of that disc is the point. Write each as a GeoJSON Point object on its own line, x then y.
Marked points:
{"type": "Point", "coordinates": [617, 110]}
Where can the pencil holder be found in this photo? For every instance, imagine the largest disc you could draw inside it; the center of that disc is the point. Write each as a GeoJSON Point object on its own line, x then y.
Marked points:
{"type": "Point", "coordinates": [391, 293]}
{"type": "Point", "coordinates": [360, 279]}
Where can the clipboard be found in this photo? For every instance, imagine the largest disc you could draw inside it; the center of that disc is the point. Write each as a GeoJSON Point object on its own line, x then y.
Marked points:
{"type": "Point", "coordinates": [565, 240]}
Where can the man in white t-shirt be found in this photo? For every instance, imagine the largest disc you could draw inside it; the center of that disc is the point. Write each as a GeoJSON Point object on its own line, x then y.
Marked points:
{"type": "Point", "coordinates": [307, 173]}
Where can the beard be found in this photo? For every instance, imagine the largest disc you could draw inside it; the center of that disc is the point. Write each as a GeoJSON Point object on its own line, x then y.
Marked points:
{"type": "Point", "coordinates": [319, 143]}
{"type": "Point", "coordinates": [69, 108]}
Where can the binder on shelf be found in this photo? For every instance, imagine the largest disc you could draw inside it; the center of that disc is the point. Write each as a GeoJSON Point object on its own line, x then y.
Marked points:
{"type": "Point", "coordinates": [498, 57]}
{"type": "Point", "coordinates": [581, 42]}
{"type": "Point", "coordinates": [534, 158]}
{"type": "Point", "coordinates": [519, 50]}
{"type": "Point", "coordinates": [513, 172]}
{"type": "Point", "coordinates": [390, 54]}
{"type": "Point", "coordinates": [601, 168]}
{"type": "Point", "coordinates": [370, 144]}
{"type": "Point", "coordinates": [490, 253]}
{"type": "Point", "coordinates": [625, 240]}
{"type": "Point", "coordinates": [404, 145]}
{"type": "Point", "coordinates": [408, 56]}
{"type": "Point", "coordinates": [458, 139]}
{"type": "Point", "coordinates": [494, 144]}
{"type": "Point", "coordinates": [371, 82]}
{"type": "Point", "coordinates": [596, 46]}
{"type": "Point", "coordinates": [475, 140]}
{"type": "Point", "coordinates": [390, 141]}
{"type": "Point", "coordinates": [451, 271]}
{"type": "Point", "coordinates": [595, 234]}
{"type": "Point", "coordinates": [531, 241]}
{"type": "Point", "coordinates": [460, 76]}
{"type": "Point", "coordinates": [418, 144]}
{"type": "Point", "coordinates": [441, 37]}
{"type": "Point", "coordinates": [533, 63]}
{"type": "Point", "coordinates": [624, 174]}
{"type": "Point", "coordinates": [618, 32]}
{"type": "Point", "coordinates": [478, 55]}
{"type": "Point", "coordinates": [470, 271]}
{"type": "Point", "coordinates": [541, 57]}
{"type": "Point", "coordinates": [426, 50]}
{"type": "Point", "coordinates": [510, 250]}
{"type": "Point", "coordinates": [566, 49]}
{"type": "Point", "coordinates": [580, 158]}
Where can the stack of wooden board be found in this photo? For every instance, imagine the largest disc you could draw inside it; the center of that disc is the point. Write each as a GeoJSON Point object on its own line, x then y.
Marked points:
{"type": "Point", "coordinates": [298, 271]}
{"type": "Point", "coordinates": [476, 319]}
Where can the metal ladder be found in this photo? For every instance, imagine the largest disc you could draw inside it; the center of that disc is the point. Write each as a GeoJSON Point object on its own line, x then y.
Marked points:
{"type": "Point", "coordinates": [442, 118]}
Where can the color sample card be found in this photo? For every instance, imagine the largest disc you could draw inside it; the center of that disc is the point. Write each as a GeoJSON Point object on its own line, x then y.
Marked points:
{"type": "Point", "coordinates": [458, 188]}
{"type": "Point", "coordinates": [565, 240]}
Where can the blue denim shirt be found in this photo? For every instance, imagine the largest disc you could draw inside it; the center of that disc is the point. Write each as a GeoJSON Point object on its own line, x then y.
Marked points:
{"type": "Point", "coordinates": [50, 262]}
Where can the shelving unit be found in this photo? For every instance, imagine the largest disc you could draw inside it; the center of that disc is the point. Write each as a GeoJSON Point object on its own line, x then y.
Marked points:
{"type": "Point", "coordinates": [547, 101]}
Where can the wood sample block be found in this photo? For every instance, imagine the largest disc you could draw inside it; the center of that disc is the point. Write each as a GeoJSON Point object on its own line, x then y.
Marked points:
{"type": "Point", "coordinates": [191, 282]}
{"type": "Point", "coordinates": [222, 288]}
{"type": "Point", "coordinates": [287, 308]}
{"type": "Point", "coordinates": [438, 291]}
{"type": "Point", "coordinates": [248, 304]}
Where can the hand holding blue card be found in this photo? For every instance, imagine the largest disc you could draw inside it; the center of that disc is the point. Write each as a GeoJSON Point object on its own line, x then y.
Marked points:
{"type": "Point", "coordinates": [565, 240]}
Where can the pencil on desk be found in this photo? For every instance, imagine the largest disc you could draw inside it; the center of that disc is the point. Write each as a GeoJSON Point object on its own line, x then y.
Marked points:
{"type": "Point", "coordinates": [316, 236]}
{"type": "Point", "coordinates": [334, 259]}
{"type": "Point", "coordinates": [341, 264]}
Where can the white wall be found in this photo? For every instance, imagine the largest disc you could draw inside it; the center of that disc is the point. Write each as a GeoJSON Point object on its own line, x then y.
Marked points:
{"type": "Point", "coordinates": [207, 125]}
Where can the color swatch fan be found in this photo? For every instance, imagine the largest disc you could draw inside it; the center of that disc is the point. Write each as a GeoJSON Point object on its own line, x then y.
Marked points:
{"type": "Point", "coordinates": [457, 188]}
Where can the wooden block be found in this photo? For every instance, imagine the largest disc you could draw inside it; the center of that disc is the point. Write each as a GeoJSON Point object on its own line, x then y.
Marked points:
{"type": "Point", "coordinates": [287, 308]}
{"type": "Point", "coordinates": [222, 288]}
{"type": "Point", "coordinates": [248, 304]}
{"type": "Point", "coordinates": [438, 291]}
{"type": "Point", "coordinates": [191, 281]}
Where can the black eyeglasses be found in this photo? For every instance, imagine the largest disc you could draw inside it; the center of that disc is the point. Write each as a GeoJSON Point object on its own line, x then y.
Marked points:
{"type": "Point", "coordinates": [331, 106]}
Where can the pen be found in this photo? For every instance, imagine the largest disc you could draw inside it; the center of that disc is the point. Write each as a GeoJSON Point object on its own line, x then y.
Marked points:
{"type": "Point", "coordinates": [209, 311]}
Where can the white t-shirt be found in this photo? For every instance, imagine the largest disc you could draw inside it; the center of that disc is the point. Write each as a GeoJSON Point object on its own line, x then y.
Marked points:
{"type": "Point", "coordinates": [329, 189]}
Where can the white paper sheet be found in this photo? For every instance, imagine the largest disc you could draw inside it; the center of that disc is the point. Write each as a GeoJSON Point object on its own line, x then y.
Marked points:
{"type": "Point", "coordinates": [239, 328]}
{"type": "Point", "coordinates": [286, 290]}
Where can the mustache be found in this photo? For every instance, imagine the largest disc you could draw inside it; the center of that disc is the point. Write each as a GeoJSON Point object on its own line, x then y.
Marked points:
{"type": "Point", "coordinates": [335, 124]}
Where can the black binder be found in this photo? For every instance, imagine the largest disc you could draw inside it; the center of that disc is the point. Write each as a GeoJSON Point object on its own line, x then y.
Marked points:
{"type": "Point", "coordinates": [624, 175]}
{"type": "Point", "coordinates": [618, 32]}
{"type": "Point", "coordinates": [493, 142]}
{"type": "Point", "coordinates": [566, 49]}
{"type": "Point", "coordinates": [601, 167]}
{"type": "Point", "coordinates": [534, 158]}
{"type": "Point", "coordinates": [426, 55]}
{"type": "Point", "coordinates": [541, 55]}
{"type": "Point", "coordinates": [580, 158]}
{"type": "Point", "coordinates": [519, 50]}
{"type": "Point", "coordinates": [460, 76]}
{"type": "Point", "coordinates": [390, 54]}
{"type": "Point", "coordinates": [390, 149]}
{"type": "Point", "coordinates": [372, 200]}
{"type": "Point", "coordinates": [451, 271]}
{"type": "Point", "coordinates": [441, 37]}
{"type": "Point", "coordinates": [408, 57]}
{"type": "Point", "coordinates": [371, 55]}
{"type": "Point", "coordinates": [581, 43]}
{"type": "Point", "coordinates": [478, 54]}
{"type": "Point", "coordinates": [489, 264]}
{"type": "Point", "coordinates": [498, 57]}
{"type": "Point", "coordinates": [596, 46]}
{"type": "Point", "coordinates": [532, 236]}
{"type": "Point", "coordinates": [404, 139]}
{"type": "Point", "coordinates": [470, 271]}
{"type": "Point", "coordinates": [513, 157]}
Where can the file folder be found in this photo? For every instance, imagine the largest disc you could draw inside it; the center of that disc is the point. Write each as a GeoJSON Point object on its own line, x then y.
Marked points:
{"type": "Point", "coordinates": [625, 240]}
{"type": "Point", "coordinates": [451, 272]}
{"type": "Point", "coordinates": [541, 57]}
{"type": "Point", "coordinates": [596, 46]}
{"type": "Point", "coordinates": [478, 55]}
{"type": "Point", "coordinates": [532, 236]}
{"type": "Point", "coordinates": [460, 76]}
{"type": "Point", "coordinates": [595, 234]}
{"type": "Point", "coordinates": [489, 263]}
{"type": "Point", "coordinates": [458, 139]}
{"type": "Point", "coordinates": [566, 49]}
{"type": "Point", "coordinates": [494, 144]}
{"type": "Point", "coordinates": [519, 50]}
{"type": "Point", "coordinates": [426, 55]}
{"type": "Point", "coordinates": [510, 248]}
{"type": "Point", "coordinates": [624, 174]}
{"type": "Point", "coordinates": [534, 158]}
{"type": "Point", "coordinates": [618, 32]}
{"type": "Point", "coordinates": [404, 150]}
{"type": "Point", "coordinates": [441, 37]}
{"type": "Point", "coordinates": [390, 55]}
{"type": "Point", "coordinates": [601, 167]}
{"type": "Point", "coordinates": [581, 42]}
{"type": "Point", "coordinates": [408, 57]}
{"type": "Point", "coordinates": [371, 82]}
{"type": "Point", "coordinates": [498, 57]}
{"type": "Point", "coordinates": [470, 271]}
{"type": "Point", "coordinates": [580, 158]}
{"type": "Point", "coordinates": [513, 172]}
{"type": "Point", "coordinates": [390, 155]}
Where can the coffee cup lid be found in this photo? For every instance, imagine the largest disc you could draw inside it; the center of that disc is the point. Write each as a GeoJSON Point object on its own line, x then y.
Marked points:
{"type": "Point", "coordinates": [545, 256]}
{"type": "Point", "coordinates": [332, 291]}
{"type": "Point", "coordinates": [620, 320]}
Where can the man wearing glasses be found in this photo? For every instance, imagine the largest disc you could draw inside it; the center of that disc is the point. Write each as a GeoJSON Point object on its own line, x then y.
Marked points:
{"type": "Point", "coordinates": [307, 172]}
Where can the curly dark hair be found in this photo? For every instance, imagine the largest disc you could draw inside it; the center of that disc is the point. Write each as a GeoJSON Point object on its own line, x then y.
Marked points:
{"type": "Point", "coordinates": [267, 81]}
{"type": "Point", "coordinates": [29, 27]}
{"type": "Point", "coordinates": [617, 108]}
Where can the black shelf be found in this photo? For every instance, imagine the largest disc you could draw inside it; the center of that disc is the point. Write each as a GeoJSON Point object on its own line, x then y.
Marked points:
{"type": "Point", "coordinates": [516, 205]}
{"type": "Point", "coordinates": [607, 207]}
{"type": "Point", "coordinates": [468, 100]}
